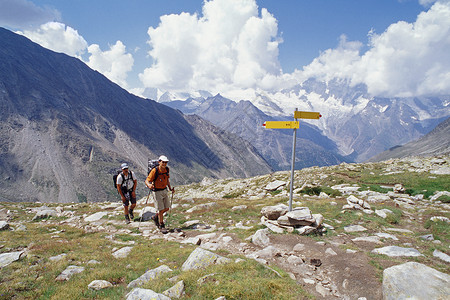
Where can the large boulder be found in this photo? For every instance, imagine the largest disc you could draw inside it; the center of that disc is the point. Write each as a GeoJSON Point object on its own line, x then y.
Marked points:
{"type": "Point", "coordinates": [145, 294]}
{"type": "Point", "coordinates": [415, 281]}
{"type": "Point", "coordinates": [300, 216]}
{"type": "Point", "coordinates": [7, 258]}
{"type": "Point", "coordinates": [261, 238]}
{"type": "Point", "coordinates": [201, 258]}
{"type": "Point", "coordinates": [149, 275]}
{"type": "Point", "coordinates": [274, 212]}
{"type": "Point", "coordinates": [274, 185]}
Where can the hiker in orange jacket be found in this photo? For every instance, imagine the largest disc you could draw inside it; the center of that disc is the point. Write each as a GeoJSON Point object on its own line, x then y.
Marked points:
{"type": "Point", "coordinates": [158, 181]}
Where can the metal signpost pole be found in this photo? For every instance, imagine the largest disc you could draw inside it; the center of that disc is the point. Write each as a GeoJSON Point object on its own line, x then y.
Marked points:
{"type": "Point", "coordinates": [292, 125]}
{"type": "Point", "coordinates": [292, 165]}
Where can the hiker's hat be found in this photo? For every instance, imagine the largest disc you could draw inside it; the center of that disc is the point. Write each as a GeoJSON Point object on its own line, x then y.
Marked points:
{"type": "Point", "coordinates": [124, 166]}
{"type": "Point", "coordinates": [163, 158]}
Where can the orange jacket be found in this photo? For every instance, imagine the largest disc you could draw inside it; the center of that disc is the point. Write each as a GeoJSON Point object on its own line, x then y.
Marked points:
{"type": "Point", "coordinates": [162, 181]}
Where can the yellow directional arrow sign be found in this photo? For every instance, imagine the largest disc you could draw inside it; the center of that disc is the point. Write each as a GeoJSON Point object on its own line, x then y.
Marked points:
{"type": "Point", "coordinates": [306, 115]}
{"type": "Point", "coordinates": [281, 124]}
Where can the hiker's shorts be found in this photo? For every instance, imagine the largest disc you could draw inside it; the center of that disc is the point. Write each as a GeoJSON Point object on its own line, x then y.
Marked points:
{"type": "Point", "coordinates": [162, 199]}
{"type": "Point", "coordinates": [128, 198]}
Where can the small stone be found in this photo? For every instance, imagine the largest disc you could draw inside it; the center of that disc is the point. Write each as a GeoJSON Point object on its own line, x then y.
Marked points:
{"type": "Point", "coordinates": [99, 285]}
{"type": "Point", "coordinates": [354, 228]}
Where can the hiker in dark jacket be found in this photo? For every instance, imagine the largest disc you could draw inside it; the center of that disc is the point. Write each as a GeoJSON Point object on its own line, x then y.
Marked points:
{"type": "Point", "coordinates": [126, 186]}
{"type": "Point", "coordinates": [158, 181]}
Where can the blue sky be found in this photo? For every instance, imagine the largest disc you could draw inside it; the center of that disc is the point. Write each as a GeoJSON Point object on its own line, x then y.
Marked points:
{"type": "Point", "coordinates": [257, 44]}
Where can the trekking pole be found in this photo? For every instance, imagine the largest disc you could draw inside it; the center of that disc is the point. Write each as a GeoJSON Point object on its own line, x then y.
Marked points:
{"type": "Point", "coordinates": [170, 207]}
{"type": "Point", "coordinates": [142, 214]}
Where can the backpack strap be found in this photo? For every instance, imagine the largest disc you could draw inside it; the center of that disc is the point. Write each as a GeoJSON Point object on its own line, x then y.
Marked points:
{"type": "Point", "coordinates": [157, 172]}
{"type": "Point", "coordinates": [130, 176]}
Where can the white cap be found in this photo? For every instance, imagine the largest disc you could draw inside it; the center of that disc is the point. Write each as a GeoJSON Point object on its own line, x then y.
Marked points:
{"type": "Point", "coordinates": [163, 158]}
{"type": "Point", "coordinates": [124, 166]}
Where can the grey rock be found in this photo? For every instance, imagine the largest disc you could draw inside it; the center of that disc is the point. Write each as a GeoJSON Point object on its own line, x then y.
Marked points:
{"type": "Point", "coordinates": [268, 252]}
{"type": "Point", "coordinates": [147, 213]}
{"type": "Point", "coordinates": [378, 198]}
{"type": "Point", "coordinates": [299, 247]}
{"type": "Point", "coordinates": [383, 213]}
{"type": "Point", "coordinates": [69, 272]}
{"type": "Point", "coordinates": [386, 236]}
{"type": "Point", "coordinates": [201, 207]}
{"type": "Point", "coordinates": [305, 230]}
{"type": "Point", "coordinates": [440, 218]}
{"type": "Point", "coordinates": [369, 239]}
{"type": "Point", "coordinates": [5, 215]}
{"type": "Point", "coordinates": [7, 258]}
{"type": "Point", "coordinates": [201, 258]}
{"type": "Point", "coordinates": [395, 251]}
{"type": "Point", "coordinates": [177, 291]}
{"type": "Point", "coordinates": [354, 228]}
{"type": "Point", "coordinates": [261, 238]}
{"type": "Point", "coordinates": [4, 225]}
{"type": "Point", "coordinates": [300, 216]}
{"type": "Point", "coordinates": [57, 257]}
{"type": "Point", "coordinates": [99, 285]}
{"type": "Point", "coordinates": [415, 281]}
{"type": "Point", "coordinates": [427, 237]}
{"type": "Point", "coordinates": [190, 223]}
{"type": "Point", "coordinates": [123, 252]}
{"type": "Point", "coordinates": [145, 294]}
{"type": "Point", "coordinates": [273, 227]}
{"type": "Point", "coordinates": [439, 194]}
{"type": "Point", "coordinates": [95, 217]}
{"type": "Point", "coordinates": [45, 213]}
{"type": "Point", "coordinates": [402, 230]}
{"type": "Point", "coordinates": [192, 240]}
{"type": "Point", "coordinates": [322, 290]}
{"type": "Point", "coordinates": [149, 275]}
{"type": "Point", "coordinates": [352, 200]}
{"type": "Point", "coordinates": [239, 207]}
{"type": "Point", "coordinates": [272, 186]}
{"type": "Point", "coordinates": [294, 260]}
{"type": "Point", "coordinates": [345, 188]}
{"type": "Point", "coordinates": [398, 188]}
{"type": "Point", "coordinates": [330, 251]}
{"type": "Point", "coordinates": [441, 255]}
{"type": "Point", "coordinates": [274, 212]}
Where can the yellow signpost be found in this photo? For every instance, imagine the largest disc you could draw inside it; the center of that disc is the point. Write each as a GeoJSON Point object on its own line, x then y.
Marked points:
{"type": "Point", "coordinates": [292, 125]}
{"type": "Point", "coordinates": [281, 124]}
{"type": "Point", "coordinates": [306, 115]}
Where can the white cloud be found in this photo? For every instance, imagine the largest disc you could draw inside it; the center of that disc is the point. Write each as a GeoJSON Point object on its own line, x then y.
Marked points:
{"type": "Point", "coordinates": [23, 13]}
{"type": "Point", "coordinates": [405, 60]}
{"type": "Point", "coordinates": [114, 63]}
{"type": "Point", "coordinates": [58, 37]}
{"type": "Point", "coordinates": [230, 45]}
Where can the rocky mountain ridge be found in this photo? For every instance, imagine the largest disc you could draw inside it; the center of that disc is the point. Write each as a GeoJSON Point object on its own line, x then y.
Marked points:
{"type": "Point", "coordinates": [65, 129]}
{"type": "Point", "coordinates": [360, 125]}
{"type": "Point", "coordinates": [436, 142]}
{"type": "Point", "coordinates": [246, 120]}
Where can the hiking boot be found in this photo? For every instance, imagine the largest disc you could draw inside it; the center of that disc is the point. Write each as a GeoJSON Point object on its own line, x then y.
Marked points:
{"type": "Point", "coordinates": [127, 219]}
{"type": "Point", "coordinates": [131, 214]}
{"type": "Point", "coordinates": [163, 230]}
{"type": "Point", "coordinates": [162, 225]}
{"type": "Point", "coordinates": [155, 219]}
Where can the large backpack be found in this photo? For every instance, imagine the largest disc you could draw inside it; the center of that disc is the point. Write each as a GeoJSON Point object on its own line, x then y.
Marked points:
{"type": "Point", "coordinates": [152, 164]}
{"type": "Point", "coordinates": [119, 173]}
{"type": "Point", "coordinates": [115, 178]}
